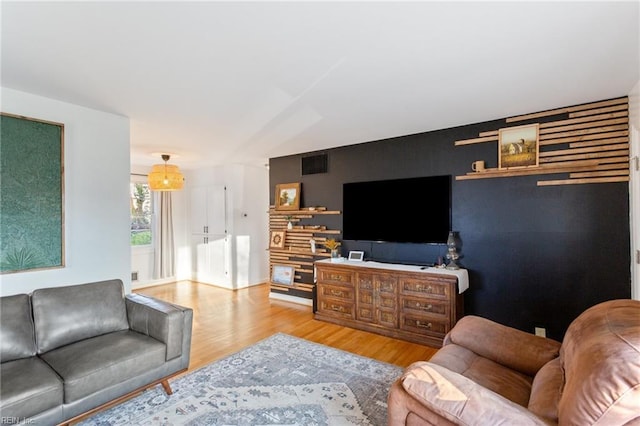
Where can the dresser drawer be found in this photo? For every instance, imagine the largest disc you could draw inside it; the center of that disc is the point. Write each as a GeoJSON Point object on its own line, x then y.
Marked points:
{"type": "Point", "coordinates": [334, 276]}
{"type": "Point", "coordinates": [336, 308]}
{"type": "Point", "coordinates": [386, 284]}
{"type": "Point", "coordinates": [425, 288]}
{"type": "Point", "coordinates": [336, 292]}
{"type": "Point", "coordinates": [422, 324]}
{"type": "Point", "coordinates": [364, 281]}
{"type": "Point", "coordinates": [426, 306]}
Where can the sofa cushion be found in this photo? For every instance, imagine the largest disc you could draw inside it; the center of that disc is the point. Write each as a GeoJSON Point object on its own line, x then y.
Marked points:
{"type": "Point", "coordinates": [546, 391]}
{"type": "Point", "coordinates": [504, 381]}
{"type": "Point", "coordinates": [28, 387]}
{"type": "Point", "coordinates": [93, 364]}
{"type": "Point", "coordinates": [64, 315]}
{"type": "Point", "coordinates": [601, 360]}
{"type": "Point", "coordinates": [508, 346]}
{"type": "Point", "coordinates": [17, 338]}
{"type": "Point", "coordinates": [461, 400]}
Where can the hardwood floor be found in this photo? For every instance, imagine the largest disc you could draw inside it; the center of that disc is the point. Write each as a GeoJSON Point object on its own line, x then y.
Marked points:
{"type": "Point", "coordinates": [226, 321]}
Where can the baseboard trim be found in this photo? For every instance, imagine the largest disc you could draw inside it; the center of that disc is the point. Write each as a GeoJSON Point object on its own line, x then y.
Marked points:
{"type": "Point", "coordinates": [293, 299]}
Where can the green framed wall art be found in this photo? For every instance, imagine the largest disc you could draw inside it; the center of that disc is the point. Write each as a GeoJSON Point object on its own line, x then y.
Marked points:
{"type": "Point", "coordinates": [31, 194]}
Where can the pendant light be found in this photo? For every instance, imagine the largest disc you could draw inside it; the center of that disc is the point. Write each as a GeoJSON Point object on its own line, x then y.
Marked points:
{"type": "Point", "coordinates": [165, 177]}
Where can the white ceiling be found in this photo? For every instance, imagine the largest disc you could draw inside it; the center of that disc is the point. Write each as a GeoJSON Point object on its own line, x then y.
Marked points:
{"type": "Point", "coordinates": [240, 82]}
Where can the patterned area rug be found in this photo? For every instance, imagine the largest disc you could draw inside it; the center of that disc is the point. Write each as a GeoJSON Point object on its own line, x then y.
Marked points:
{"type": "Point", "coordinates": [282, 380]}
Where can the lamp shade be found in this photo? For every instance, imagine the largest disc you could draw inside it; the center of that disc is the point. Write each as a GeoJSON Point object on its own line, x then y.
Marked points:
{"type": "Point", "coordinates": [165, 177]}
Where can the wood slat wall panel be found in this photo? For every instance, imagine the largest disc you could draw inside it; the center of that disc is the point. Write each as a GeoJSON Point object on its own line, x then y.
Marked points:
{"type": "Point", "coordinates": [297, 251]}
{"type": "Point", "coordinates": [592, 149]}
{"type": "Point", "coordinates": [577, 108]}
{"type": "Point", "coordinates": [590, 142]}
{"type": "Point", "coordinates": [581, 181]}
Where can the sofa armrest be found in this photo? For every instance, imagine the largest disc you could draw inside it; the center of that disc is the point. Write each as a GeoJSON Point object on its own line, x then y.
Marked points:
{"type": "Point", "coordinates": [166, 322]}
{"type": "Point", "coordinates": [516, 349]}
{"type": "Point", "coordinates": [461, 400]}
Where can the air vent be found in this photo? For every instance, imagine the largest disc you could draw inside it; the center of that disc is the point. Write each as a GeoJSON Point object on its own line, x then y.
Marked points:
{"type": "Point", "coordinates": [314, 164]}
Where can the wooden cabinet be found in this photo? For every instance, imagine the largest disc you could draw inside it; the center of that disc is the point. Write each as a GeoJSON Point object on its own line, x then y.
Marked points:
{"type": "Point", "coordinates": [404, 302]}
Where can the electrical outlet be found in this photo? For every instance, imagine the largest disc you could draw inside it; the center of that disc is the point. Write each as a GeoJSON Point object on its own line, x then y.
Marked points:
{"type": "Point", "coordinates": [134, 276]}
{"type": "Point", "coordinates": [540, 331]}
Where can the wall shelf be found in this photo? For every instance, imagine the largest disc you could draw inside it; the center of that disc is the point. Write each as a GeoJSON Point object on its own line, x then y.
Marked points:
{"type": "Point", "coordinates": [297, 249]}
{"type": "Point", "coordinates": [590, 142]}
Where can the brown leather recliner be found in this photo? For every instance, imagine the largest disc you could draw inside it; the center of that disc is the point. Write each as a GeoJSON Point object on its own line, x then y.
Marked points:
{"type": "Point", "coordinates": [490, 374]}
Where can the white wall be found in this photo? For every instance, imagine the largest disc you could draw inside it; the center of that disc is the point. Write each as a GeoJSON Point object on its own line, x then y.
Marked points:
{"type": "Point", "coordinates": [96, 202]}
{"type": "Point", "coordinates": [634, 187]}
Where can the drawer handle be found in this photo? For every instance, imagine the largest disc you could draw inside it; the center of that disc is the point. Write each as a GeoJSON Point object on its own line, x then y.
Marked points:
{"type": "Point", "coordinates": [428, 288]}
{"type": "Point", "coordinates": [336, 293]}
{"type": "Point", "coordinates": [427, 325]}
{"type": "Point", "coordinates": [425, 308]}
{"type": "Point", "coordinates": [337, 308]}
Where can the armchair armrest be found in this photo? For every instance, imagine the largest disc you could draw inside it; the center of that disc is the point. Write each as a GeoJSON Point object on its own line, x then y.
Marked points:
{"type": "Point", "coordinates": [507, 346]}
{"type": "Point", "coordinates": [166, 322]}
{"type": "Point", "coordinates": [461, 400]}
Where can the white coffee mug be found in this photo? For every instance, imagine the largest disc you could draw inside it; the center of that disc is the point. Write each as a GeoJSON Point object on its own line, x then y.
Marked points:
{"type": "Point", "coordinates": [478, 166]}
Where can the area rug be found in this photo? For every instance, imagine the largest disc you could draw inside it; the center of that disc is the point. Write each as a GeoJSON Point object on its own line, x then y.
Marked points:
{"type": "Point", "coordinates": [282, 380]}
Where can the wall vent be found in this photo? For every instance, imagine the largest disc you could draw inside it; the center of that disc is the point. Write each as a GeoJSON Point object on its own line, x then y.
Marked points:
{"type": "Point", "coordinates": [134, 276]}
{"type": "Point", "coordinates": [314, 164]}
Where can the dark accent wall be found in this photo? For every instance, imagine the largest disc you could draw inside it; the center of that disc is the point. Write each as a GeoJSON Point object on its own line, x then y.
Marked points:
{"type": "Point", "coordinates": [537, 256]}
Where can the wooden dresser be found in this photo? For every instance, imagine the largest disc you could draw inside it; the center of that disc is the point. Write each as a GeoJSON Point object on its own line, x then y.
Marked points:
{"type": "Point", "coordinates": [400, 301]}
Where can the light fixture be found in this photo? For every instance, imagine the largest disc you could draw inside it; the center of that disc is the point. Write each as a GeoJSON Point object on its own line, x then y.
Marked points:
{"type": "Point", "coordinates": [165, 177]}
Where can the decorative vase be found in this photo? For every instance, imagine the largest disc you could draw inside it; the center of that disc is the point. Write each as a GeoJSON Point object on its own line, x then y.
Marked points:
{"type": "Point", "coordinates": [289, 225]}
{"type": "Point", "coordinates": [334, 254]}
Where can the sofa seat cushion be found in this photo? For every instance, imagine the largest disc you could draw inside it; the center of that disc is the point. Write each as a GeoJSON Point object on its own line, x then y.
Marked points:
{"type": "Point", "coordinates": [94, 364]}
{"type": "Point", "coordinates": [28, 386]}
{"type": "Point", "coordinates": [502, 380]}
{"type": "Point", "coordinates": [461, 400]}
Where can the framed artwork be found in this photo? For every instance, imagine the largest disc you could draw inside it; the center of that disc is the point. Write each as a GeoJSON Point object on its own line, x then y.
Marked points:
{"type": "Point", "coordinates": [282, 274]}
{"type": "Point", "coordinates": [32, 193]}
{"type": "Point", "coordinates": [288, 196]}
{"type": "Point", "coordinates": [277, 239]}
{"type": "Point", "coordinates": [518, 146]}
{"type": "Point", "coordinates": [356, 256]}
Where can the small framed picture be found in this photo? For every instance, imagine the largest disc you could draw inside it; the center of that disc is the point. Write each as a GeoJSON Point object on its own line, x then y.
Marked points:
{"type": "Point", "coordinates": [288, 196]}
{"type": "Point", "coordinates": [518, 146]}
{"type": "Point", "coordinates": [356, 256]}
{"type": "Point", "coordinates": [282, 274]}
{"type": "Point", "coordinates": [276, 240]}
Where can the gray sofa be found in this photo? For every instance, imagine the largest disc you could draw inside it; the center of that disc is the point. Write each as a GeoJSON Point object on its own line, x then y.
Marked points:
{"type": "Point", "coordinates": [67, 352]}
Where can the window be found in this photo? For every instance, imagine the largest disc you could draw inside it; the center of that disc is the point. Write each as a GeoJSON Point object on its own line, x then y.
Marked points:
{"type": "Point", "coordinates": [141, 214]}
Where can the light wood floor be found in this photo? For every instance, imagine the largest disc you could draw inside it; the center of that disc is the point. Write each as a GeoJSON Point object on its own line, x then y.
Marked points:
{"type": "Point", "coordinates": [226, 321]}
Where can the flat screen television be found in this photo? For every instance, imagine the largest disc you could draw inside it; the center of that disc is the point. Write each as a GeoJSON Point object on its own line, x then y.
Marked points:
{"type": "Point", "coordinates": [412, 210]}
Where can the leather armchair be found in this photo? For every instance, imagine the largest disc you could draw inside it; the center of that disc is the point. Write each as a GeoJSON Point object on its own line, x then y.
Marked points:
{"type": "Point", "coordinates": [489, 374]}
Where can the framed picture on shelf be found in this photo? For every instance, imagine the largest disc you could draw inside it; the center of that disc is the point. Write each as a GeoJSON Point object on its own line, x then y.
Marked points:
{"type": "Point", "coordinates": [276, 239]}
{"type": "Point", "coordinates": [282, 274]}
{"type": "Point", "coordinates": [356, 256]}
{"type": "Point", "coordinates": [518, 146]}
{"type": "Point", "coordinates": [288, 196]}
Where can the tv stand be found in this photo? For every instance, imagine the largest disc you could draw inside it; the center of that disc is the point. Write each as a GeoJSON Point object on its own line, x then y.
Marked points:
{"type": "Point", "coordinates": [406, 302]}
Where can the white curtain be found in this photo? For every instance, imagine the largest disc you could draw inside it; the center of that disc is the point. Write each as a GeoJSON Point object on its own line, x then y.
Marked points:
{"type": "Point", "coordinates": [164, 253]}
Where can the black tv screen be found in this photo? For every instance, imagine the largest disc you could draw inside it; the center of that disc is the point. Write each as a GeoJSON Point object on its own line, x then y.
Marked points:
{"type": "Point", "coordinates": [413, 210]}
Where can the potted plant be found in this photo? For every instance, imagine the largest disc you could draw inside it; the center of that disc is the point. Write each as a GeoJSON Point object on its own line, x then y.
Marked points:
{"type": "Point", "coordinates": [332, 245]}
